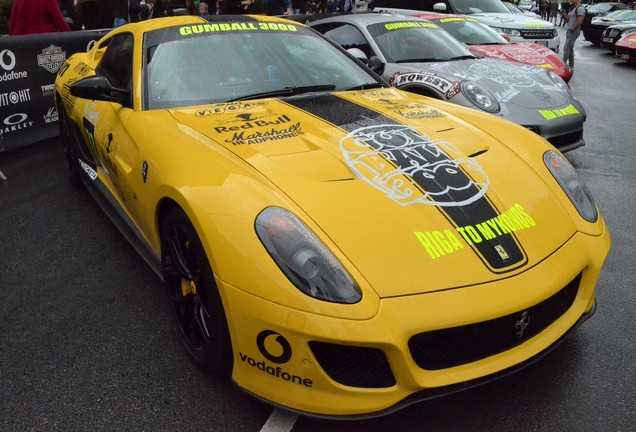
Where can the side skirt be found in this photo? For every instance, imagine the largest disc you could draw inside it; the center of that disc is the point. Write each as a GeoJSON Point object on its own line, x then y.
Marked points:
{"type": "Point", "coordinates": [122, 221]}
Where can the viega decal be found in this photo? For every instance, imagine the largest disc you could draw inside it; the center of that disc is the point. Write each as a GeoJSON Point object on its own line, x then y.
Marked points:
{"type": "Point", "coordinates": [441, 84]}
{"type": "Point", "coordinates": [440, 243]}
{"type": "Point", "coordinates": [282, 354]}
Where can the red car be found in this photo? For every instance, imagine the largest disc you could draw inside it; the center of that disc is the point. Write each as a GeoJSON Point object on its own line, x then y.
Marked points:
{"type": "Point", "coordinates": [626, 47]}
{"type": "Point", "coordinates": [483, 40]}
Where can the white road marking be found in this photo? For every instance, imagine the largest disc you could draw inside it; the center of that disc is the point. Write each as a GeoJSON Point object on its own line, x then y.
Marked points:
{"type": "Point", "coordinates": [280, 421]}
{"type": "Point", "coordinates": [2, 177]}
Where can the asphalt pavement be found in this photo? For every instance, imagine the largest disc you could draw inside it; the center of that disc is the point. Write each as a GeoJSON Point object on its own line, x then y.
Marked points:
{"type": "Point", "coordinates": [88, 343]}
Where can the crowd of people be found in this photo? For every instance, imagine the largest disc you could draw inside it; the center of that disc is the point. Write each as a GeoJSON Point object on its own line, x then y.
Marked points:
{"type": "Point", "coordinates": [44, 16]}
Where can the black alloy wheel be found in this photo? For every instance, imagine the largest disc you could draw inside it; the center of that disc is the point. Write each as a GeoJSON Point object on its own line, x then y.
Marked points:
{"type": "Point", "coordinates": [195, 299]}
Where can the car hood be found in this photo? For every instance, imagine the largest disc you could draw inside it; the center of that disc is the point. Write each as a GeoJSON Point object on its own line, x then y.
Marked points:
{"type": "Point", "coordinates": [511, 21]}
{"type": "Point", "coordinates": [533, 54]}
{"type": "Point", "coordinates": [430, 206]}
{"type": "Point", "coordinates": [510, 83]}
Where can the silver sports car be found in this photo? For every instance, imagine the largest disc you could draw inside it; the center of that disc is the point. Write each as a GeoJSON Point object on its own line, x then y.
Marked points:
{"type": "Point", "coordinates": [418, 56]}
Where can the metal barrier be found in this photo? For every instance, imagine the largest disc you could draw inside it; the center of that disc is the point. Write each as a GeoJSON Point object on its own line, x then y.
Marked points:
{"type": "Point", "coordinates": [28, 66]}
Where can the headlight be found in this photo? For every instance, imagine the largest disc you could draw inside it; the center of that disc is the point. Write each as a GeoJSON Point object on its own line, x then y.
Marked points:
{"type": "Point", "coordinates": [555, 33]}
{"type": "Point", "coordinates": [558, 81]}
{"type": "Point", "coordinates": [507, 31]}
{"type": "Point", "coordinates": [480, 97]}
{"type": "Point", "coordinates": [572, 184]}
{"type": "Point", "coordinates": [306, 262]}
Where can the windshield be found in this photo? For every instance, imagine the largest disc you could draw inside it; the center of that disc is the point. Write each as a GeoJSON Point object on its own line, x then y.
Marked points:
{"type": "Point", "coordinates": [600, 7]}
{"type": "Point", "coordinates": [621, 15]}
{"type": "Point", "coordinates": [468, 7]}
{"type": "Point", "coordinates": [416, 41]}
{"type": "Point", "coordinates": [470, 31]}
{"type": "Point", "coordinates": [202, 64]}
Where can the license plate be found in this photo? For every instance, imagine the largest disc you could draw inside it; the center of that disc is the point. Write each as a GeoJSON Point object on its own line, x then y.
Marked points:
{"type": "Point", "coordinates": [624, 56]}
{"type": "Point", "coordinates": [606, 39]}
{"type": "Point", "coordinates": [544, 43]}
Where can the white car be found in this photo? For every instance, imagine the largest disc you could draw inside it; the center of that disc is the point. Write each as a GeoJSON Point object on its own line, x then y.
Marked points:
{"type": "Point", "coordinates": [517, 28]}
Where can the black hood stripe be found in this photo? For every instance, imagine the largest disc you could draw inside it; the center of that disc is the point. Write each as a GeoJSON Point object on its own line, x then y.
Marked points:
{"type": "Point", "coordinates": [350, 116]}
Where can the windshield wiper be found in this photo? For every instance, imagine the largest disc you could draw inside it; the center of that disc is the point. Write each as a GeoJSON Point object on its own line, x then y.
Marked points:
{"type": "Point", "coordinates": [367, 86]}
{"type": "Point", "coordinates": [463, 57]}
{"type": "Point", "coordinates": [287, 91]}
{"type": "Point", "coordinates": [419, 60]}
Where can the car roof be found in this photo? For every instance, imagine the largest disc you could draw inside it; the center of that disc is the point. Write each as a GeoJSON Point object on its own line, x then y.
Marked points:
{"type": "Point", "coordinates": [365, 19]}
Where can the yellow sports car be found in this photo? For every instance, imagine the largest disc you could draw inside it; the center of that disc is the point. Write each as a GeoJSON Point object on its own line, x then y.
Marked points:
{"type": "Point", "coordinates": [340, 247]}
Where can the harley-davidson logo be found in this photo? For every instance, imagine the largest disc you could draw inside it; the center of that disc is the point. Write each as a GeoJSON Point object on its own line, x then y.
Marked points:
{"type": "Point", "coordinates": [52, 58]}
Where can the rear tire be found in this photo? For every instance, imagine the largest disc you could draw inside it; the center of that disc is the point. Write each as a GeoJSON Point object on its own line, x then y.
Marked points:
{"type": "Point", "coordinates": [196, 302]}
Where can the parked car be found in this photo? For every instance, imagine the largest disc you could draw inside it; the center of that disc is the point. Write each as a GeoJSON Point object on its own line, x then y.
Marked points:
{"type": "Point", "coordinates": [483, 40]}
{"type": "Point", "coordinates": [493, 13]}
{"type": "Point", "coordinates": [614, 33]}
{"type": "Point", "coordinates": [308, 221]}
{"type": "Point", "coordinates": [592, 32]}
{"type": "Point", "coordinates": [517, 10]}
{"type": "Point", "coordinates": [626, 47]}
{"type": "Point", "coordinates": [419, 56]}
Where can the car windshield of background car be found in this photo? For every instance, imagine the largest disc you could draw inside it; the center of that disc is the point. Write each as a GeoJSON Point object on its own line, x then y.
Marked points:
{"type": "Point", "coordinates": [471, 32]}
{"type": "Point", "coordinates": [256, 62]}
{"type": "Point", "coordinates": [401, 43]}
{"type": "Point", "coordinates": [478, 6]}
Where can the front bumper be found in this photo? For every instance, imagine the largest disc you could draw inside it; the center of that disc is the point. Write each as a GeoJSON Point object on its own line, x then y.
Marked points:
{"type": "Point", "coordinates": [275, 355]}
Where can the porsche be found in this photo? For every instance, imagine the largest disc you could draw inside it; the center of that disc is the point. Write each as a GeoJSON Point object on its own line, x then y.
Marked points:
{"type": "Point", "coordinates": [417, 55]}
{"type": "Point", "coordinates": [336, 246]}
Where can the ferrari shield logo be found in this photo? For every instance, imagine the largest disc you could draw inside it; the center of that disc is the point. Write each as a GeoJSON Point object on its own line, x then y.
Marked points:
{"type": "Point", "coordinates": [52, 58]}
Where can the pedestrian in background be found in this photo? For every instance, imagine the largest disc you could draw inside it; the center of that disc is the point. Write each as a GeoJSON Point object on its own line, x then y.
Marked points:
{"type": "Point", "coordinates": [565, 8]}
{"type": "Point", "coordinates": [574, 20]}
{"type": "Point", "coordinates": [36, 16]}
{"type": "Point", "coordinates": [204, 10]}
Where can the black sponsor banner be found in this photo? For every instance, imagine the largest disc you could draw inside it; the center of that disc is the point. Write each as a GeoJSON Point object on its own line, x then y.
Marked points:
{"type": "Point", "coordinates": [28, 66]}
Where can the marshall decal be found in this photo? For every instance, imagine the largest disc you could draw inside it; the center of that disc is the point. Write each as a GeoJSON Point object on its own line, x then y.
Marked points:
{"type": "Point", "coordinates": [410, 168]}
{"type": "Point", "coordinates": [447, 87]}
{"type": "Point", "coordinates": [259, 131]}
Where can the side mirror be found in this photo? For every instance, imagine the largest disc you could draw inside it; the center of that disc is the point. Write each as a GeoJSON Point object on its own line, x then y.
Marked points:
{"type": "Point", "coordinates": [99, 88]}
{"type": "Point", "coordinates": [358, 53]}
{"type": "Point", "coordinates": [376, 65]}
{"type": "Point", "coordinates": [439, 7]}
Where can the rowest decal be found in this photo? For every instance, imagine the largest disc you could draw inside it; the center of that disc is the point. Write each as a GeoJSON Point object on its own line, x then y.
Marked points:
{"type": "Point", "coordinates": [447, 87]}
{"type": "Point", "coordinates": [283, 357]}
{"type": "Point", "coordinates": [441, 243]}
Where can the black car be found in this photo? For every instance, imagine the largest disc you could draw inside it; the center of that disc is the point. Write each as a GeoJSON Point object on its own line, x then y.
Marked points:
{"type": "Point", "coordinates": [591, 31]}
{"type": "Point", "coordinates": [613, 33]}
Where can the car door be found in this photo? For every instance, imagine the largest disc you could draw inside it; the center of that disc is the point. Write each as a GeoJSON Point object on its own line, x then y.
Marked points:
{"type": "Point", "coordinates": [104, 125]}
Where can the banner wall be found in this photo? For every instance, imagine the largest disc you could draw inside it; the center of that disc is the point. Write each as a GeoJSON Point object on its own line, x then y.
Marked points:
{"type": "Point", "coordinates": [28, 66]}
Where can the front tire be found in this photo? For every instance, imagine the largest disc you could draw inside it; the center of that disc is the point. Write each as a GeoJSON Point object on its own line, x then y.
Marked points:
{"type": "Point", "coordinates": [195, 298]}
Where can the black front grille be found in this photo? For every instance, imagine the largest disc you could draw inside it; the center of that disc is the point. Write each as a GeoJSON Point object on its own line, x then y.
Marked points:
{"type": "Point", "coordinates": [460, 345]}
{"type": "Point", "coordinates": [562, 141]}
{"type": "Point", "coordinates": [537, 34]}
{"type": "Point", "coordinates": [354, 366]}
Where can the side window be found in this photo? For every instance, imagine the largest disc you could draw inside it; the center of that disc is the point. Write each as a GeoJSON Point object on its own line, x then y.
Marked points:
{"type": "Point", "coordinates": [116, 64]}
{"type": "Point", "coordinates": [346, 36]}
